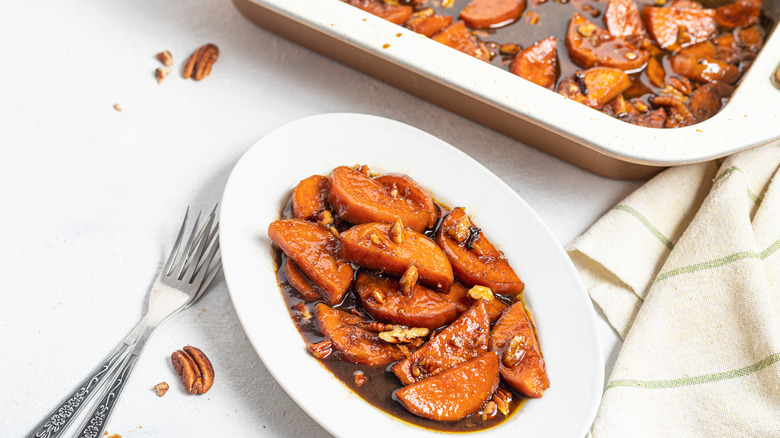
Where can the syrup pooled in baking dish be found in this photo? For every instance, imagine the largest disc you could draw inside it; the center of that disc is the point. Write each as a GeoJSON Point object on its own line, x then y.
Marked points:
{"type": "Point", "coordinates": [652, 63]}
{"type": "Point", "coordinates": [406, 301]}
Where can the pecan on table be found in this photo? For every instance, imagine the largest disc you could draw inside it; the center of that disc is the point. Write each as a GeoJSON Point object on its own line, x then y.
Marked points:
{"type": "Point", "coordinates": [198, 66]}
{"type": "Point", "coordinates": [194, 369]}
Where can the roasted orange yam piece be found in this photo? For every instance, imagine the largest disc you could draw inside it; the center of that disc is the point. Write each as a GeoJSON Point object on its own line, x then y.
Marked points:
{"type": "Point", "coordinates": [475, 261]}
{"type": "Point", "coordinates": [315, 250]}
{"type": "Point", "coordinates": [371, 246]}
{"type": "Point", "coordinates": [590, 45]}
{"type": "Point", "coordinates": [403, 185]}
{"type": "Point", "coordinates": [741, 13]}
{"type": "Point", "coordinates": [310, 197]}
{"type": "Point", "coordinates": [595, 87]}
{"type": "Point", "coordinates": [655, 72]}
{"type": "Point", "coordinates": [622, 18]}
{"type": "Point", "coordinates": [676, 27]}
{"type": "Point", "coordinates": [522, 365]}
{"type": "Point", "coordinates": [397, 14]}
{"type": "Point", "coordinates": [483, 14]}
{"type": "Point", "coordinates": [538, 63]}
{"type": "Point", "coordinates": [706, 100]}
{"type": "Point", "coordinates": [459, 295]}
{"type": "Point", "coordinates": [355, 343]}
{"type": "Point", "coordinates": [359, 199]}
{"type": "Point", "coordinates": [749, 40]}
{"type": "Point", "coordinates": [704, 69]}
{"type": "Point", "coordinates": [299, 281]}
{"type": "Point", "coordinates": [382, 299]}
{"type": "Point", "coordinates": [454, 394]}
{"type": "Point", "coordinates": [429, 26]}
{"type": "Point", "coordinates": [459, 37]}
{"type": "Point", "coordinates": [465, 338]}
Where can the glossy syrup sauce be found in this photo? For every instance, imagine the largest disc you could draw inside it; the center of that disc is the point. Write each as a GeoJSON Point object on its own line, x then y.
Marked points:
{"type": "Point", "coordinates": [378, 389]}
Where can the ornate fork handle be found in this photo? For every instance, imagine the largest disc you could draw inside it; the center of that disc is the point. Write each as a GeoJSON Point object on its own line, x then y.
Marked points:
{"type": "Point", "coordinates": [55, 423]}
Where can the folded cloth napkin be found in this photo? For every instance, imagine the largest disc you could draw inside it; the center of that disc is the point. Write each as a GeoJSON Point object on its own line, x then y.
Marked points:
{"type": "Point", "coordinates": [687, 271]}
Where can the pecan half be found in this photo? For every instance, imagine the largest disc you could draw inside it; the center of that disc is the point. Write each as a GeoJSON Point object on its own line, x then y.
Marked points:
{"type": "Point", "coordinates": [194, 369]}
{"type": "Point", "coordinates": [198, 66]}
{"type": "Point", "coordinates": [321, 350]}
{"type": "Point", "coordinates": [409, 279]}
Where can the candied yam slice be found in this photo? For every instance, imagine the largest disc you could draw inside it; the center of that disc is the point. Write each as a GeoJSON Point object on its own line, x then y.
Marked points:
{"type": "Point", "coordinates": [459, 37]}
{"type": "Point", "coordinates": [372, 247]}
{"type": "Point", "coordinates": [704, 69]}
{"type": "Point", "coordinates": [655, 72]}
{"type": "Point", "coordinates": [429, 26]}
{"type": "Point", "coordinates": [310, 197]}
{"type": "Point", "coordinates": [475, 261]}
{"type": "Point", "coordinates": [538, 63]}
{"type": "Point", "coordinates": [595, 87]}
{"type": "Point", "coordinates": [409, 189]}
{"type": "Point", "coordinates": [590, 45]}
{"type": "Point", "coordinates": [741, 13]}
{"type": "Point", "coordinates": [676, 27]}
{"type": "Point", "coordinates": [522, 366]}
{"type": "Point", "coordinates": [454, 394]}
{"type": "Point", "coordinates": [382, 299]}
{"type": "Point", "coordinates": [397, 14]}
{"type": "Point", "coordinates": [706, 100]}
{"type": "Point", "coordinates": [465, 338]}
{"type": "Point", "coordinates": [749, 39]}
{"type": "Point", "coordinates": [299, 281]}
{"type": "Point", "coordinates": [483, 14]}
{"type": "Point", "coordinates": [314, 250]}
{"type": "Point", "coordinates": [459, 295]}
{"type": "Point", "coordinates": [622, 18]}
{"type": "Point", "coordinates": [360, 199]}
{"type": "Point", "coordinates": [355, 343]}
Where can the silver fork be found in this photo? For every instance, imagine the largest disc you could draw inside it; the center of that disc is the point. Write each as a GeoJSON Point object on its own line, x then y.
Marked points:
{"type": "Point", "coordinates": [189, 270]}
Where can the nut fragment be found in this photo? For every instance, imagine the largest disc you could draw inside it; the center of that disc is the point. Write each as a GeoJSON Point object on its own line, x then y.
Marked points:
{"type": "Point", "coordinates": [161, 73]}
{"type": "Point", "coordinates": [360, 377]}
{"type": "Point", "coordinates": [515, 352]}
{"type": "Point", "coordinates": [586, 29]}
{"type": "Point", "coordinates": [460, 231]}
{"type": "Point", "coordinates": [321, 350]}
{"type": "Point", "coordinates": [394, 190]}
{"type": "Point", "coordinates": [481, 292]}
{"type": "Point", "coordinates": [408, 280]}
{"type": "Point", "coordinates": [198, 66]}
{"type": "Point", "coordinates": [501, 398]}
{"type": "Point", "coordinates": [161, 388]}
{"type": "Point", "coordinates": [194, 369]}
{"type": "Point", "coordinates": [363, 168]}
{"type": "Point", "coordinates": [376, 240]}
{"type": "Point", "coordinates": [397, 232]}
{"type": "Point", "coordinates": [403, 335]}
{"type": "Point", "coordinates": [325, 218]}
{"type": "Point", "coordinates": [378, 296]}
{"type": "Point", "coordinates": [489, 411]}
{"type": "Point", "coordinates": [376, 326]}
{"type": "Point", "coordinates": [165, 57]}
{"type": "Point", "coordinates": [117, 107]}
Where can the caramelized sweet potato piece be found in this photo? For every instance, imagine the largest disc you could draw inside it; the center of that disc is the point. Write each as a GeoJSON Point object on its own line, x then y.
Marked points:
{"type": "Point", "coordinates": [360, 199]}
{"type": "Point", "coordinates": [314, 250]}
{"type": "Point", "coordinates": [538, 63]}
{"type": "Point", "coordinates": [590, 45]}
{"type": "Point", "coordinates": [370, 246]}
{"type": "Point", "coordinates": [409, 189]}
{"type": "Point", "coordinates": [454, 394]}
{"type": "Point", "coordinates": [397, 14]}
{"type": "Point", "coordinates": [749, 39]}
{"type": "Point", "coordinates": [355, 343]}
{"type": "Point", "coordinates": [299, 281]}
{"type": "Point", "coordinates": [459, 295]}
{"type": "Point", "coordinates": [741, 13]}
{"type": "Point", "coordinates": [459, 37]}
{"type": "Point", "coordinates": [430, 25]}
{"type": "Point", "coordinates": [483, 14]}
{"type": "Point", "coordinates": [704, 69]}
{"type": "Point", "coordinates": [655, 73]}
{"type": "Point", "coordinates": [310, 197]}
{"type": "Point", "coordinates": [707, 99]}
{"type": "Point", "coordinates": [465, 338]}
{"type": "Point", "coordinates": [382, 299]}
{"type": "Point", "coordinates": [622, 18]}
{"type": "Point", "coordinates": [522, 365]}
{"type": "Point", "coordinates": [595, 87]}
{"type": "Point", "coordinates": [475, 261]}
{"type": "Point", "coordinates": [676, 27]}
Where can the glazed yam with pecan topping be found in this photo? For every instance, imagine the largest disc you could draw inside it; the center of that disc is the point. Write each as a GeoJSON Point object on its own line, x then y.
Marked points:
{"type": "Point", "coordinates": [703, 69]}
{"type": "Point", "coordinates": [360, 199]}
{"type": "Point", "coordinates": [475, 261]}
{"type": "Point", "coordinates": [310, 197]}
{"type": "Point", "coordinates": [465, 338]}
{"type": "Point", "coordinates": [590, 46]}
{"type": "Point", "coordinates": [484, 14]}
{"type": "Point", "coordinates": [595, 87]}
{"type": "Point", "coordinates": [741, 13]}
{"type": "Point", "coordinates": [538, 63]}
{"type": "Point", "coordinates": [681, 24]}
{"type": "Point", "coordinates": [376, 246]}
{"type": "Point", "coordinates": [315, 250]}
{"type": "Point", "coordinates": [403, 185]}
{"type": "Point", "coordinates": [459, 295]}
{"type": "Point", "coordinates": [522, 366]}
{"type": "Point", "coordinates": [397, 14]}
{"type": "Point", "coordinates": [384, 300]}
{"type": "Point", "coordinates": [355, 343]}
{"type": "Point", "coordinates": [454, 394]}
{"type": "Point", "coordinates": [622, 18]}
{"type": "Point", "coordinates": [459, 37]}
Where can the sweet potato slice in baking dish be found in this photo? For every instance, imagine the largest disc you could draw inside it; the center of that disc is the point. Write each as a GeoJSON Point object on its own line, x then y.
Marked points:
{"type": "Point", "coordinates": [703, 69]}
{"type": "Point", "coordinates": [475, 261]}
{"type": "Point", "coordinates": [590, 46]}
{"type": "Point", "coordinates": [375, 246]}
{"type": "Point", "coordinates": [483, 14]}
{"type": "Point", "coordinates": [310, 197]}
{"type": "Point", "coordinates": [360, 199]}
{"type": "Point", "coordinates": [622, 18]}
{"type": "Point", "coordinates": [315, 250]}
{"type": "Point", "coordinates": [297, 280]}
{"type": "Point", "coordinates": [465, 338]}
{"type": "Point", "coordinates": [459, 295]}
{"type": "Point", "coordinates": [679, 25]}
{"type": "Point", "coordinates": [383, 299]}
{"type": "Point", "coordinates": [538, 63]}
{"type": "Point", "coordinates": [459, 37]}
{"type": "Point", "coordinates": [741, 13]}
{"type": "Point", "coordinates": [454, 394]}
{"type": "Point", "coordinates": [397, 14]}
{"type": "Point", "coordinates": [405, 186]}
{"type": "Point", "coordinates": [355, 343]}
{"type": "Point", "coordinates": [522, 365]}
{"type": "Point", "coordinates": [595, 86]}
{"type": "Point", "coordinates": [429, 25]}
{"type": "Point", "coordinates": [707, 99]}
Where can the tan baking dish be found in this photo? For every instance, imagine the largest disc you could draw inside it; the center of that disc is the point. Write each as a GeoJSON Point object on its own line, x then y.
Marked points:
{"type": "Point", "coordinates": [531, 114]}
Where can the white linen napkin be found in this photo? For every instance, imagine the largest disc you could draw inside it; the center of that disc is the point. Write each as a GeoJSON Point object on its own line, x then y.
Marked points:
{"type": "Point", "coordinates": [687, 271]}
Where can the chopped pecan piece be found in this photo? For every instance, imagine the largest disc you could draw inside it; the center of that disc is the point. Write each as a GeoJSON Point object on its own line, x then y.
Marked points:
{"type": "Point", "coordinates": [161, 74]}
{"type": "Point", "coordinates": [403, 335]}
{"type": "Point", "coordinates": [199, 64]}
{"type": "Point", "coordinates": [409, 279]}
{"type": "Point", "coordinates": [481, 292]}
{"type": "Point", "coordinates": [321, 350]}
{"type": "Point", "coordinates": [165, 57]}
{"type": "Point", "coordinates": [397, 232]}
{"type": "Point", "coordinates": [194, 369]}
{"type": "Point", "coordinates": [360, 378]}
{"type": "Point", "coordinates": [161, 388]}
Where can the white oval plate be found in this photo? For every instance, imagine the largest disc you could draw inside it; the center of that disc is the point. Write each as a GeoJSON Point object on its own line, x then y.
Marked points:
{"type": "Point", "coordinates": [260, 185]}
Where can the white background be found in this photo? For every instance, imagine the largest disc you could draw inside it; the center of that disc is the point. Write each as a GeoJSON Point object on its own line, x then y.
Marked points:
{"type": "Point", "coordinates": [92, 197]}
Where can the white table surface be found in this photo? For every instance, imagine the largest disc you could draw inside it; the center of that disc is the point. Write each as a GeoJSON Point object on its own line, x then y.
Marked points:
{"type": "Point", "coordinates": [92, 197]}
